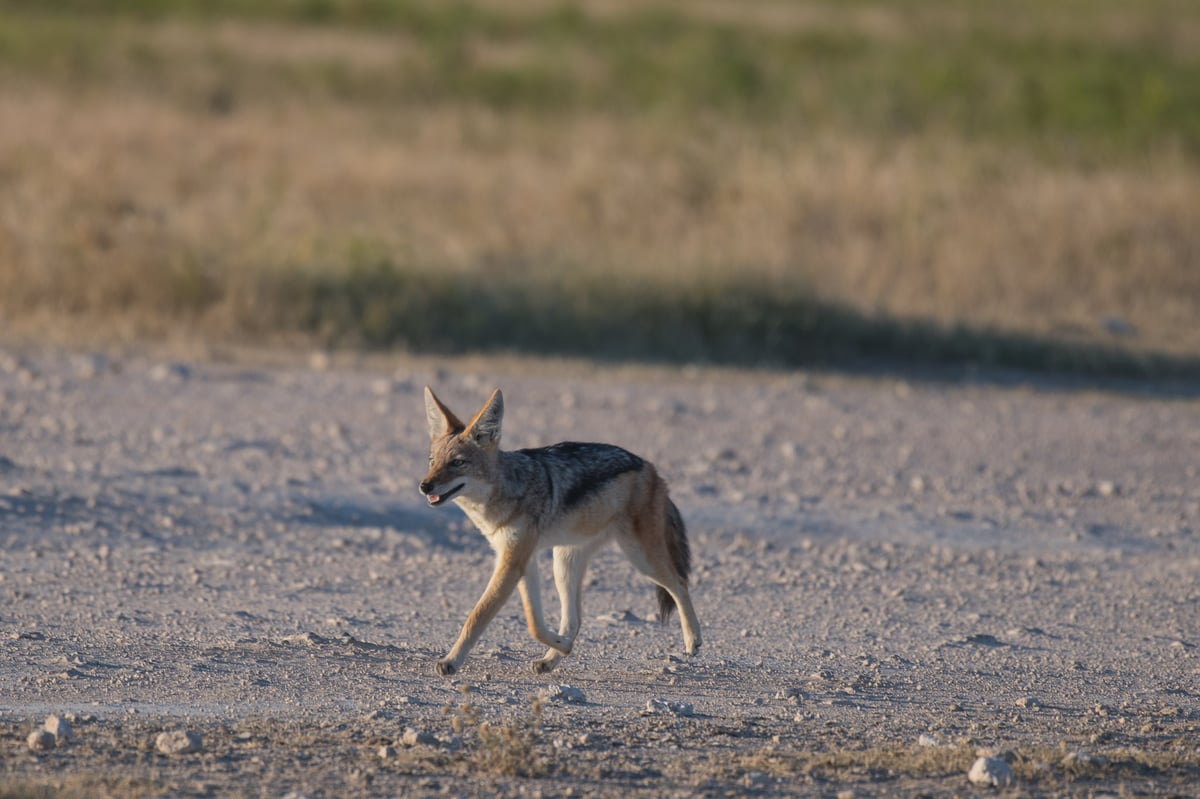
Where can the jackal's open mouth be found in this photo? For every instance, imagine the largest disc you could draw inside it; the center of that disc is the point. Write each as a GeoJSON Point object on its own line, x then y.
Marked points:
{"type": "Point", "coordinates": [438, 499]}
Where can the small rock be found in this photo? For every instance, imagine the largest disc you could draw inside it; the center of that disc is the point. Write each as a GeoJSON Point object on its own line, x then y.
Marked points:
{"type": "Point", "coordinates": [89, 366]}
{"type": "Point", "coordinates": [60, 728]}
{"type": "Point", "coordinates": [178, 742]}
{"type": "Point", "coordinates": [990, 771]}
{"type": "Point", "coordinates": [1029, 702]}
{"type": "Point", "coordinates": [927, 740]}
{"type": "Point", "coordinates": [659, 706]}
{"type": "Point", "coordinates": [170, 371]}
{"type": "Point", "coordinates": [618, 617]}
{"type": "Point", "coordinates": [386, 752]}
{"type": "Point", "coordinates": [414, 737]}
{"type": "Point", "coordinates": [564, 693]}
{"type": "Point", "coordinates": [1118, 326]}
{"type": "Point", "coordinates": [40, 740]}
{"type": "Point", "coordinates": [1084, 760]}
{"type": "Point", "coordinates": [793, 695]}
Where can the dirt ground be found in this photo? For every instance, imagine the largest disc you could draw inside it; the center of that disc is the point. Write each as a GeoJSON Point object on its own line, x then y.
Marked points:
{"type": "Point", "coordinates": [893, 575]}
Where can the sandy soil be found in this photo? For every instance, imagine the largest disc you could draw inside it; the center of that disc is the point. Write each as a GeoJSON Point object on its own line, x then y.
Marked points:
{"type": "Point", "coordinates": [892, 576]}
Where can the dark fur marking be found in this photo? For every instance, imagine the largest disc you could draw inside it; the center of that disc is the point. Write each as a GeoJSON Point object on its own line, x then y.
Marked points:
{"type": "Point", "coordinates": [583, 468]}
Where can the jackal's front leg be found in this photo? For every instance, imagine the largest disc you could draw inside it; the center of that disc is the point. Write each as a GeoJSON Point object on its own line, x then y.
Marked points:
{"type": "Point", "coordinates": [570, 563]}
{"type": "Point", "coordinates": [531, 598]}
{"type": "Point", "coordinates": [509, 567]}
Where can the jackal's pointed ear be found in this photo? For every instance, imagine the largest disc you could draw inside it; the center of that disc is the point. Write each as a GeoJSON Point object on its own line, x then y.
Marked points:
{"type": "Point", "coordinates": [441, 420]}
{"type": "Point", "coordinates": [485, 427]}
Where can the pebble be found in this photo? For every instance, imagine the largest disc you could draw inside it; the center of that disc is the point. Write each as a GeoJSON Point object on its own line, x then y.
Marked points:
{"type": "Point", "coordinates": [89, 366]}
{"type": "Point", "coordinates": [990, 771]}
{"type": "Point", "coordinates": [41, 740]}
{"type": "Point", "coordinates": [178, 742]}
{"type": "Point", "coordinates": [170, 371]}
{"type": "Point", "coordinates": [386, 751]}
{"type": "Point", "coordinates": [1084, 759]}
{"type": "Point", "coordinates": [564, 693]}
{"type": "Point", "coordinates": [415, 737]}
{"type": "Point", "coordinates": [618, 617]}
{"type": "Point", "coordinates": [927, 740]}
{"type": "Point", "coordinates": [60, 728]}
{"type": "Point", "coordinates": [659, 706]}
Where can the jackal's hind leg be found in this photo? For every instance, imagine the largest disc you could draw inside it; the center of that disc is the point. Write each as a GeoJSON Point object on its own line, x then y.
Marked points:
{"type": "Point", "coordinates": [657, 566]}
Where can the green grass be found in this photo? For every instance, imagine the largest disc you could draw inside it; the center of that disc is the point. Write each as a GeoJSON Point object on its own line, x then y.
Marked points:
{"type": "Point", "coordinates": [1061, 82]}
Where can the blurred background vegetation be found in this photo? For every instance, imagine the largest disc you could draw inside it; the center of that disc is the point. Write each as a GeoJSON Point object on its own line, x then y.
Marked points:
{"type": "Point", "coordinates": [757, 182]}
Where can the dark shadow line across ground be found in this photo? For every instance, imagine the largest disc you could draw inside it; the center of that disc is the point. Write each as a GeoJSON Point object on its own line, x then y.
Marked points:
{"type": "Point", "coordinates": [731, 323]}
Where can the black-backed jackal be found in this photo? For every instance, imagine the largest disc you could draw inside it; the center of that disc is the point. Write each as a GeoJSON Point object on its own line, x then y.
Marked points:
{"type": "Point", "coordinates": [570, 496]}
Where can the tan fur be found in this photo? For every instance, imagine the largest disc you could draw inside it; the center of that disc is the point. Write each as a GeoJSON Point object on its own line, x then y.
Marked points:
{"type": "Point", "coordinates": [531, 500]}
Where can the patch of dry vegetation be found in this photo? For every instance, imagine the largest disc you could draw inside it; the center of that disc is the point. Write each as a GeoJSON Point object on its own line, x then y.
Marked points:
{"type": "Point", "coordinates": [507, 748]}
{"type": "Point", "coordinates": [1033, 767]}
{"type": "Point", "coordinates": [239, 178]}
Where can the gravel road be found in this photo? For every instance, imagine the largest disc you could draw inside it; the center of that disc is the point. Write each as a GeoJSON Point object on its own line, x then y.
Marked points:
{"type": "Point", "coordinates": [893, 576]}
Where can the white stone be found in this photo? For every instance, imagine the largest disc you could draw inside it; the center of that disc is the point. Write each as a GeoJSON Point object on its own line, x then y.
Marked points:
{"type": "Point", "coordinates": [178, 742]}
{"type": "Point", "coordinates": [60, 728]}
{"type": "Point", "coordinates": [564, 693]}
{"type": "Point", "coordinates": [40, 740]}
{"type": "Point", "coordinates": [1084, 760]}
{"type": "Point", "coordinates": [669, 707]}
{"type": "Point", "coordinates": [990, 771]}
{"type": "Point", "coordinates": [414, 737]}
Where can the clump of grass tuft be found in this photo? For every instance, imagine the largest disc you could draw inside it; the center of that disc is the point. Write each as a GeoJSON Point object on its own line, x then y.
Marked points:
{"type": "Point", "coordinates": [505, 749]}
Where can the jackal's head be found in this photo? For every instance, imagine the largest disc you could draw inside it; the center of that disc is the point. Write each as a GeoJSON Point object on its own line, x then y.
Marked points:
{"type": "Point", "coordinates": [462, 457]}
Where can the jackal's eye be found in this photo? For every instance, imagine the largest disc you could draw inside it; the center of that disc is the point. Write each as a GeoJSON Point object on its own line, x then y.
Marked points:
{"type": "Point", "coordinates": [458, 463]}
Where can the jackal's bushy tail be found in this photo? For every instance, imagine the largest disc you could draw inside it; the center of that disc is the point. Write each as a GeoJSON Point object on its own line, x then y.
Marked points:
{"type": "Point", "coordinates": [681, 558]}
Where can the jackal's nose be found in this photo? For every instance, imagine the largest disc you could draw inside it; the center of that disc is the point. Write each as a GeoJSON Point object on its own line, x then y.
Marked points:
{"type": "Point", "coordinates": [426, 486]}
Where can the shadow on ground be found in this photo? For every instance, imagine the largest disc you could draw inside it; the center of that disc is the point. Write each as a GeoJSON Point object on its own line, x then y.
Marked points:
{"type": "Point", "coordinates": [435, 529]}
{"type": "Point", "coordinates": [720, 323]}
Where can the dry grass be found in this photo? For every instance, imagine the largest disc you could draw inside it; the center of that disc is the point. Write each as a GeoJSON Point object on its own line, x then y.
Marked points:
{"type": "Point", "coordinates": [507, 749]}
{"type": "Point", "coordinates": [140, 211]}
{"type": "Point", "coordinates": [1034, 767]}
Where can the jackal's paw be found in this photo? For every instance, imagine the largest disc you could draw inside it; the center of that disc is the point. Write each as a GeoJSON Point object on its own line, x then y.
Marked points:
{"type": "Point", "coordinates": [446, 667]}
{"type": "Point", "coordinates": [544, 665]}
{"type": "Point", "coordinates": [693, 646]}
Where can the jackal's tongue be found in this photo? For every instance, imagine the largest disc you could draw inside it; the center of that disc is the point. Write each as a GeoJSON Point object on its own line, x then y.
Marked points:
{"type": "Point", "coordinates": [433, 498]}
